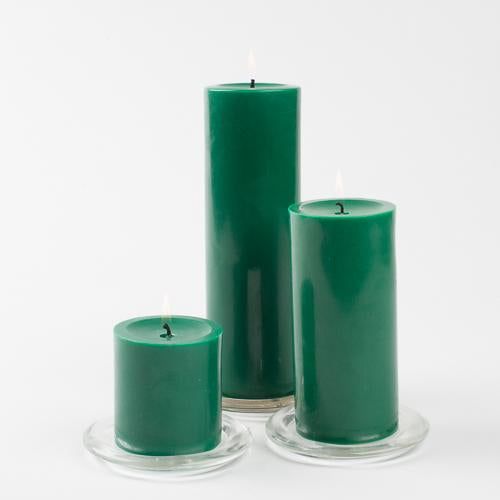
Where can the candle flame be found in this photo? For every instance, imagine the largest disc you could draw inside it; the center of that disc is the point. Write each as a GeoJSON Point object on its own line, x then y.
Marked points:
{"type": "Point", "coordinates": [339, 185]}
{"type": "Point", "coordinates": [251, 65]}
{"type": "Point", "coordinates": [166, 309]}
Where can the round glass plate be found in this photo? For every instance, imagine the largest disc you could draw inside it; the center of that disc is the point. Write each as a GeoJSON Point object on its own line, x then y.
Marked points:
{"type": "Point", "coordinates": [282, 438]}
{"type": "Point", "coordinates": [99, 440]}
{"type": "Point", "coordinates": [255, 409]}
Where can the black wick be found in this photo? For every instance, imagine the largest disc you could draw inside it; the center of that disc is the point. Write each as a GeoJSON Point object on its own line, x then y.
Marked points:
{"type": "Point", "coordinates": [168, 334]}
{"type": "Point", "coordinates": [252, 83]}
{"type": "Point", "coordinates": [342, 211]}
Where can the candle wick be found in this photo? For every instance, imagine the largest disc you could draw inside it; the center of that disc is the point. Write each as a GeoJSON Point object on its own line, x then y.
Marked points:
{"type": "Point", "coordinates": [168, 334]}
{"type": "Point", "coordinates": [252, 83]}
{"type": "Point", "coordinates": [342, 211]}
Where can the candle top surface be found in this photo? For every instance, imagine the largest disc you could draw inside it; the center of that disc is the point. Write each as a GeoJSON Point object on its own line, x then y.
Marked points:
{"type": "Point", "coordinates": [245, 87]}
{"type": "Point", "coordinates": [333, 208]}
{"type": "Point", "coordinates": [149, 330]}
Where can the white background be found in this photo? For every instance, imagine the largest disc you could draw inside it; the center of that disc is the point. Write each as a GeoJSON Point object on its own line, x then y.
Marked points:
{"type": "Point", "coordinates": [102, 213]}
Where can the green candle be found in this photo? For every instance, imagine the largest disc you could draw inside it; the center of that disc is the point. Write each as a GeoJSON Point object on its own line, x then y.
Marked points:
{"type": "Point", "coordinates": [344, 294]}
{"type": "Point", "coordinates": [252, 178]}
{"type": "Point", "coordinates": [167, 385]}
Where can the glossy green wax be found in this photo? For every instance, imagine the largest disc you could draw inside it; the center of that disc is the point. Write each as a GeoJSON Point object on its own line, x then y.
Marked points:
{"type": "Point", "coordinates": [167, 389]}
{"type": "Point", "coordinates": [344, 294]}
{"type": "Point", "coordinates": [252, 177]}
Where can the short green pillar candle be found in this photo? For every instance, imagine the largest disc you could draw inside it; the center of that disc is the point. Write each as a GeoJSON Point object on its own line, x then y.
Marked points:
{"type": "Point", "coordinates": [344, 294]}
{"type": "Point", "coordinates": [167, 385]}
{"type": "Point", "coordinates": [252, 178]}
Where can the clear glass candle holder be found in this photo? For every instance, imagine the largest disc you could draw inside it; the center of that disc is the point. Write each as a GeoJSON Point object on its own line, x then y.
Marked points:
{"type": "Point", "coordinates": [99, 440]}
{"type": "Point", "coordinates": [283, 439]}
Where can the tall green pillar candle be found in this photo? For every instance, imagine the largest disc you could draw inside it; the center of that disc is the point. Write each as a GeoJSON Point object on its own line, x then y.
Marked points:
{"type": "Point", "coordinates": [344, 293]}
{"type": "Point", "coordinates": [252, 177]}
{"type": "Point", "coordinates": [167, 385]}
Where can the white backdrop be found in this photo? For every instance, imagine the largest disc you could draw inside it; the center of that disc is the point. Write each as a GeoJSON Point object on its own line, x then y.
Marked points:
{"type": "Point", "coordinates": [102, 213]}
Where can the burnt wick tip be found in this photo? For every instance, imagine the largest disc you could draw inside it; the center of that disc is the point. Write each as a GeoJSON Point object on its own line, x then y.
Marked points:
{"type": "Point", "coordinates": [168, 331]}
{"type": "Point", "coordinates": [341, 207]}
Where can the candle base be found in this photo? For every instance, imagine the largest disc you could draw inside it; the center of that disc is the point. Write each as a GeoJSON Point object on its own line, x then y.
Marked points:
{"type": "Point", "coordinates": [99, 440]}
{"type": "Point", "coordinates": [283, 439]}
{"type": "Point", "coordinates": [255, 409]}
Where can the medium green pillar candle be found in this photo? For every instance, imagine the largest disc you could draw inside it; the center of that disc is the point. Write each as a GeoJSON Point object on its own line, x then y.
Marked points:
{"type": "Point", "coordinates": [344, 294]}
{"type": "Point", "coordinates": [167, 385]}
{"type": "Point", "coordinates": [252, 177]}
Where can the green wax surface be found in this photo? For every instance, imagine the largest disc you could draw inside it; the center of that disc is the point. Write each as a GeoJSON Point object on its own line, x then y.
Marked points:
{"type": "Point", "coordinates": [344, 296]}
{"type": "Point", "coordinates": [252, 137]}
{"type": "Point", "coordinates": [167, 389]}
